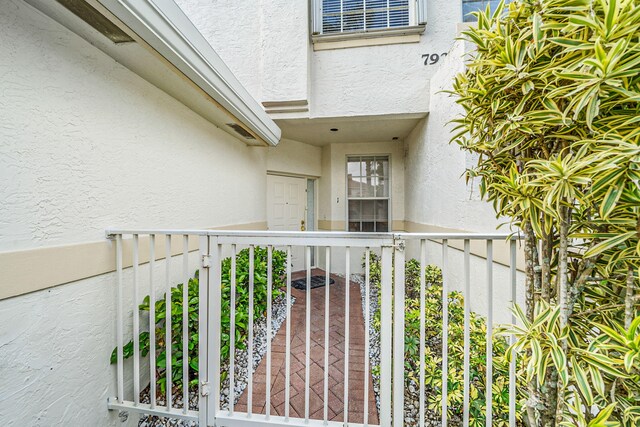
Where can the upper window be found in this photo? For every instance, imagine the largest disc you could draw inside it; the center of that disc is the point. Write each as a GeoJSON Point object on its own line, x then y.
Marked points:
{"type": "Point", "coordinates": [368, 193]}
{"type": "Point", "coordinates": [348, 16]}
{"type": "Point", "coordinates": [469, 6]}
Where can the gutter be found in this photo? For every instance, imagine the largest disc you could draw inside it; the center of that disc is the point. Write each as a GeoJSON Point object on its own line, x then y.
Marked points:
{"type": "Point", "coordinates": [165, 28]}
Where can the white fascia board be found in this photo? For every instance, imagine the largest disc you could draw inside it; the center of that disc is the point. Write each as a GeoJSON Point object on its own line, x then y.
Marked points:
{"type": "Point", "coordinates": [165, 27]}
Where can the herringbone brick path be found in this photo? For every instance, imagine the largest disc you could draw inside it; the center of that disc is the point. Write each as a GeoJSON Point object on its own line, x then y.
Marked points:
{"type": "Point", "coordinates": [357, 375]}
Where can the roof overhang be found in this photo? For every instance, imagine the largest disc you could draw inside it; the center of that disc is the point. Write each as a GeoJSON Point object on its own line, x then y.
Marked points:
{"type": "Point", "coordinates": [172, 54]}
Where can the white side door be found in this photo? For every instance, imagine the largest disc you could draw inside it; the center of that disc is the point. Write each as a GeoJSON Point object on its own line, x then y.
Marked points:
{"type": "Point", "coordinates": [286, 209]}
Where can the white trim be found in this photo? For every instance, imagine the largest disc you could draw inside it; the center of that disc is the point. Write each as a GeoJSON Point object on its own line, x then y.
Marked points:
{"type": "Point", "coordinates": [321, 45]}
{"type": "Point", "coordinates": [421, 12]}
{"type": "Point", "coordinates": [385, 32]}
{"type": "Point", "coordinates": [163, 25]}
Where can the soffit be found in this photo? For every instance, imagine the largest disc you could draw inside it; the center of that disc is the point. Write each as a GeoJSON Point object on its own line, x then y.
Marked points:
{"type": "Point", "coordinates": [350, 129]}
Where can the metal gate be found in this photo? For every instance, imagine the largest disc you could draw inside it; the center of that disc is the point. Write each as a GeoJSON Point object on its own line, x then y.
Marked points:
{"type": "Point", "coordinates": [210, 248]}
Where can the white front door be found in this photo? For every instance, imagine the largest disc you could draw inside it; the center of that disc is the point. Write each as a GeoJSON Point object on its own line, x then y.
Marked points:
{"type": "Point", "coordinates": [286, 209]}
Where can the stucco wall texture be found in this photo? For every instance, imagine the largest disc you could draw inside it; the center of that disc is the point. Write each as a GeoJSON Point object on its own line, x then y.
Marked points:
{"type": "Point", "coordinates": [86, 144]}
{"type": "Point", "coordinates": [264, 43]}
{"type": "Point", "coordinates": [126, 152]}
{"type": "Point", "coordinates": [267, 45]}
{"type": "Point", "coordinates": [438, 194]}
{"type": "Point", "coordinates": [294, 157]}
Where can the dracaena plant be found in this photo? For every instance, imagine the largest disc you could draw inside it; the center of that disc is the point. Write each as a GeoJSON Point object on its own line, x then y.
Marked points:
{"type": "Point", "coordinates": [550, 102]}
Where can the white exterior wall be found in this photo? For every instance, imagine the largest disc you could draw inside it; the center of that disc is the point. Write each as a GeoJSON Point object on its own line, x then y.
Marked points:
{"type": "Point", "coordinates": [54, 361]}
{"type": "Point", "coordinates": [86, 144]}
{"type": "Point", "coordinates": [232, 28]}
{"type": "Point", "coordinates": [266, 44]}
{"type": "Point", "coordinates": [388, 79]}
{"type": "Point", "coordinates": [285, 51]}
{"type": "Point", "coordinates": [324, 188]}
{"type": "Point", "coordinates": [295, 158]}
{"type": "Point", "coordinates": [438, 194]}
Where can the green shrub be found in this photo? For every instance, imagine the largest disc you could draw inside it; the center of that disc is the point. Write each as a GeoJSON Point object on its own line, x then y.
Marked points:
{"type": "Point", "coordinates": [241, 318]}
{"type": "Point", "coordinates": [433, 348]}
{"type": "Point", "coordinates": [551, 103]}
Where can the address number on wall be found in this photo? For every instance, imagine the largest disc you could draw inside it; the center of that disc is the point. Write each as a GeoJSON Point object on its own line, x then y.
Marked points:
{"type": "Point", "coordinates": [432, 58]}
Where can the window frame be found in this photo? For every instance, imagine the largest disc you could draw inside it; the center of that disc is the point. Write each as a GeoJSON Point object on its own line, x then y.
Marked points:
{"type": "Point", "coordinates": [416, 25]}
{"type": "Point", "coordinates": [388, 198]}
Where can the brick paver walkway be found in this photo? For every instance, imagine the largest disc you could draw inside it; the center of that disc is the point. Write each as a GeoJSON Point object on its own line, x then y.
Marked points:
{"type": "Point", "coordinates": [316, 374]}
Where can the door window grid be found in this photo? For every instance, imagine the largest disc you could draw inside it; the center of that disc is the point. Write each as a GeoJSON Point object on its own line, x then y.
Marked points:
{"type": "Point", "coordinates": [368, 192]}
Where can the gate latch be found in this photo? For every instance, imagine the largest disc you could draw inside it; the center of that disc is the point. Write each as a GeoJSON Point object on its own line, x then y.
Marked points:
{"type": "Point", "coordinates": [206, 261]}
{"type": "Point", "coordinates": [399, 244]}
{"type": "Point", "coordinates": [205, 390]}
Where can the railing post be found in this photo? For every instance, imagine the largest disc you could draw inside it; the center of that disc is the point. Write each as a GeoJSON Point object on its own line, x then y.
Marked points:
{"type": "Point", "coordinates": [398, 334]}
{"type": "Point", "coordinates": [385, 336]}
{"type": "Point", "coordinates": [203, 317]}
{"type": "Point", "coordinates": [214, 326]}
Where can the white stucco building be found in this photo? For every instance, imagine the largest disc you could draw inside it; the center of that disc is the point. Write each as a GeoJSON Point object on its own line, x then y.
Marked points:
{"type": "Point", "coordinates": [255, 115]}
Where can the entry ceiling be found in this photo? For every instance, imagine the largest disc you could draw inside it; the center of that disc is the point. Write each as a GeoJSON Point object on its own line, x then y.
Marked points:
{"type": "Point", "coordinates": [350, 129]}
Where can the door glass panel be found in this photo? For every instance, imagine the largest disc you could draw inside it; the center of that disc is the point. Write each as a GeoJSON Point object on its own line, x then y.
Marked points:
{"type": "Point", "coordinates": [355, 210]}
{"type": "Point", "coordinates": [382, 187]}
{"type": "Point", "coordinates": [368, 186]}
{"type": "Point", "coordinates": [354, 226]}
{"type": "Point", "coordinates": [368, 227]}
{"type": "Point", "coordinates": [368, 166]}
{"type": "Point", "coordinates": [311, 204]}
{"type": "Point", "coordinates": [382, 210]}
{"type": "Point", "coordinates": [353, 167]}
{"type": "Point", "coordinates": [354, 186]}
{"type": "Point", "coordinates": [368, 210]}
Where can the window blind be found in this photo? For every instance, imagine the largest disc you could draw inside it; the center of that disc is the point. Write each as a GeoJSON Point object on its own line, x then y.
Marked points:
{"type": "Point", "coordinates": [341, 16]}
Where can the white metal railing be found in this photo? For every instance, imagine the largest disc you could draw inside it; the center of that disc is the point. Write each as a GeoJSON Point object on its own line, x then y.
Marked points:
{"type": "Point", "coordinates": [207, 257]}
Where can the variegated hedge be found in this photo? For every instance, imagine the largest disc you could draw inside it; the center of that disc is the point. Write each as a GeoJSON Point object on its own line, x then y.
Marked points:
{"type": "Point", "coordinates": [551, 101]}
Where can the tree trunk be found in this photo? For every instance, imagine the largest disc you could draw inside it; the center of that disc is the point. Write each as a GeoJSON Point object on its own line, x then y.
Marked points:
{"type": "Point", "coordinates": [546, 394]}
{"type": "Point", "coordinates": [545, 265]}
{"type": "Point", "coordinates": [530, 263]}
{"type": "Point", "coordinates": [629, 299]}
{"type": "Point", "coordinates": [563, 295]}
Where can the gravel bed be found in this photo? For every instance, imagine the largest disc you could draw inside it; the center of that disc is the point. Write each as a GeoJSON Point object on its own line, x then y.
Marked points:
{"type": "Point", "coordinates": [278, 315]}
{"type": "Point", "coordinates": [411, 392]}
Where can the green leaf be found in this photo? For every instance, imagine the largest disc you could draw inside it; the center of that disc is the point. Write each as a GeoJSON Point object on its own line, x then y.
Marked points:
{"type": "Point", "coordinates": [610, 200]}
{"type": "Point", "coordinates": [560, 362]}
{"type": "Point", "coordinates": [603, 416]}
{"type": "Point", "coordinates": [597, 381]}
{"type": "Point", "coordinates": [582, 382]}
{"type": "Point", "coordinates": [609, 244]}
